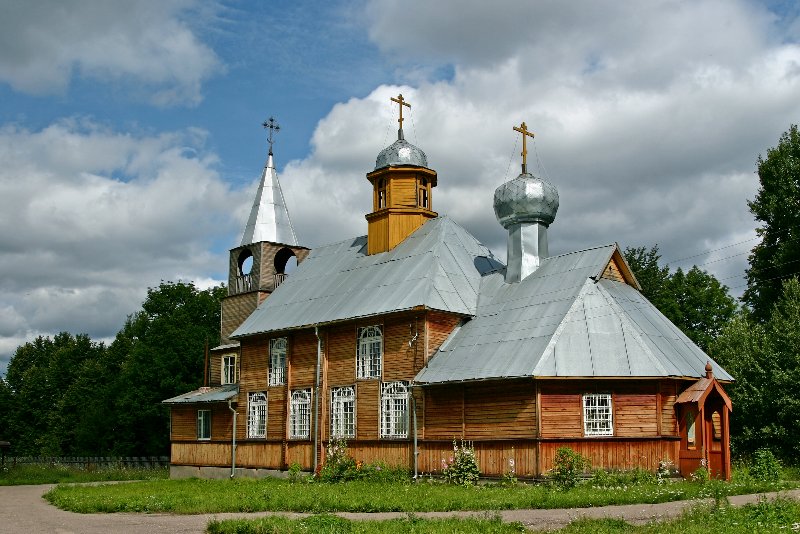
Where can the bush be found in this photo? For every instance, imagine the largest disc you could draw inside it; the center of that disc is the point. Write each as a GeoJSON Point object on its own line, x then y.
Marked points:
{"type": "Point", "coordinates": [338, 466]}
{"type": "Point", "coordinates": [568, 466]}
{"type": "Point", "coordinates": [462, 468]}
{"type": "Point", "coordinates": [765, 467]}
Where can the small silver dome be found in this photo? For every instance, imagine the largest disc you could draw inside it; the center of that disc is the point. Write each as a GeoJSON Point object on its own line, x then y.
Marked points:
{"type": "Point", "coordinates": [526, 199]}
{"type": "Point", "coordinates": [401, 152]}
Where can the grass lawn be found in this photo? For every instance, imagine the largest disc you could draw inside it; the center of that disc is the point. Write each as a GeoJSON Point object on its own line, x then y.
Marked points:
{"type": "Point", "coordinates": [330, 524]}
{"type": "Point", "coordinates": [195, 496]}
{"type": "Point", "coordinates": [56, 474]}
{"type": "Point", "coordinates": [781, 516]}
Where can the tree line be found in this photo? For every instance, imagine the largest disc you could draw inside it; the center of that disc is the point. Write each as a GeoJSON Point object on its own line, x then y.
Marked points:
{"type": "Point", "coordinates": [73, 396]}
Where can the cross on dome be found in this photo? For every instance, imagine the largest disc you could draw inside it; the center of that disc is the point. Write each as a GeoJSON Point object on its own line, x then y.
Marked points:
{"type": "Point", "coordinates": [523, 129]}
{"type": "Point", "coordinates": [401, 101]}
{"type": "Point", "coordinates": [272, 125]}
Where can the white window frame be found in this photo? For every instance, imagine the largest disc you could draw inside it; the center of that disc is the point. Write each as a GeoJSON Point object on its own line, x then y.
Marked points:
{"type": "Point", "coordinates": [369, 357]}
{"type": "Point", "coordinates": [300, 414]}
{"type": "Point", "coordinates": [394, 409]}
{"type": "Point", "coordinates": [256, 414]}
{"type": "Point", "coordinates": [598, 414]}
{"type": "Point", "coordinates": [229, 369]}
{"type": "Point", "coordinates": [277, 361]}
{"type": "Point", "coordinates": [343, 412]}
{"type": "Point", "coordinates": [203, 425]}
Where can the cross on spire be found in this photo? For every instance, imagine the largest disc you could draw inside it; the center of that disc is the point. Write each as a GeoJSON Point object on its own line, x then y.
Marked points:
{"type": "Point", "coordinates": [402, 103]}
{"type": "Point", "coordinates": [523, 129]}
{"type": "Point", "coordinates": [272, 125]}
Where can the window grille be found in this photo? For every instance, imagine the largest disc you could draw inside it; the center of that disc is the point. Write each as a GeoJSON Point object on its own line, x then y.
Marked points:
{"type": "Point", "coordinates": [228, 369]}
{"type": "Point", "coordinates": [394, 410]}
{"type": "Point", "coordinates": [277, 362]}
{"type": "Point", "coordinates": [256, 415]}
{"type": "Point", "coordinates": [203, 424]}
{"type": "Point", "coordinates": [370, 351]}
{"type": "Point", "coordinates": [343, 412]}
{"type": "Point", "coordinates": [300, 414]}
{"type": "Point", "coordinates": [597, 414]}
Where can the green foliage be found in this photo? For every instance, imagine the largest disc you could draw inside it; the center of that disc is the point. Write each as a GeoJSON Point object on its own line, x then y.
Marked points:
{"type": "Point", "coordinates": [324, 523]}
{"type": "Point", "coordinates": [295, 473]}
{"type": "Point", "coordinates": [26, 474]}
{"type": "Point", "coordinates": [71, 396]}
{"type": "Point", "coordinates": [631, 477]}
{"type": "Point", "coordinates": [339, 466]}
{"type": "Point", "coordinates": [568, 466]}
{"type": "Point", "coordinates": [780, 515]}
{"type": "Point", "coordinates": [694, 300]}
{"type": "Point", "coordinates": [777, 206]}
{"type": "Point", "coordinates": [700, 475]}
{"type": "Point", "coordinates": [765, 360]}
{"type": "Point", "coordinates": [462, 468]}
{"type": "Point", "coordinates": [765, 466]}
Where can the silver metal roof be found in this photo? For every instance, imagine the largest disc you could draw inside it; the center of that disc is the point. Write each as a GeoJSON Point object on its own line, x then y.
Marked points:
{"type": "Point", "coordinates": [269, 218]}
{"type": "Point", "coordinates": [526, 199]}
{"type": "Point", "coordinates": [439, 266]}
{"type": "Point", "coordinates": [565, 321]}
{"type": "Point", "coordinates": [216, 394]}
{"type": "Point", "coordinates": [399, 153]}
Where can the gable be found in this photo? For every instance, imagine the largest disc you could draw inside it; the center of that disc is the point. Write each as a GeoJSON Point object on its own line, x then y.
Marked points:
{"type": "Point", "coordinates": [618, 270]}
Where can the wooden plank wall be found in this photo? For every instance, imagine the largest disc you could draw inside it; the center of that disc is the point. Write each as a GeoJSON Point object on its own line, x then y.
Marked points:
{"type": "Point", "coordinates": [184, 422]}
{"type": "Point", "coordinates": [614, 453]}
{"type": "Point", "coordinates": [201, 454]}
{"type": "Point", "coordinates": [260, 454]}
{"type": "Point", "coordinates": [439, 326]}
{"type": "Point", "coordinates": [481, 411]}
{"type": "Point", "coordinates": [492, 456]}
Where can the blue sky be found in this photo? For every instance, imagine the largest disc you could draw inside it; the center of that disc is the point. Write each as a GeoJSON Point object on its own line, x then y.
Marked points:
{"type": "Point", "coordinates": [131, 142]}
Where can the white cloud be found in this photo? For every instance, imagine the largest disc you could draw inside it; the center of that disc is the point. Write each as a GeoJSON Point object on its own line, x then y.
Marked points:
{"type": "Point", "coordinates": [144, 43]}
{"type": "Point", "coordinates": [93, 217]}
{"type": "Point", "coordinates": [649, 118]}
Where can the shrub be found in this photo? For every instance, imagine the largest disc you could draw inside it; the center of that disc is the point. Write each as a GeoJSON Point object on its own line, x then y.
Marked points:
{"type": "Point", "coordinates": [701, 474]}
{"type": "Point", "coordinates": [295, 472]}
{"type": "Point", "coordinates": [568, 466]}
{"type": "Point", "coordinates": [338, 466]}
{"type": "Point", "coordinates": [765, 467]}
{"type": "Point", "coordinates": [666, 469]}
{"type": "Point", "coordinates": [462, 468]}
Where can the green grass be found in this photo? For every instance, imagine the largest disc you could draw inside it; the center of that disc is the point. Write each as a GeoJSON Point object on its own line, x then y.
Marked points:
{"type": "Point", "coordinates": [330, 524]}
{"type": "Point", "coordinates": [780, 516]}
{"type": "Point", "coordinates": [194, 496]}
{"type": "Point", "coordinates": [56, 474]}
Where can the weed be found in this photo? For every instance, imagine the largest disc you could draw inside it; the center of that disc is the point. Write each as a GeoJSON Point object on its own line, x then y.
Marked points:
{"type": "Point", "coordinates": [462, 468]}
{"type": "Point", "coordinates": [568, 466]}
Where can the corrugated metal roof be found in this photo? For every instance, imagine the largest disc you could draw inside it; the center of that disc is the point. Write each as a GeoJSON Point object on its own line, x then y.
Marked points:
{"type": "Point", "coordinates": [439, 266]}
{"type": "Point", "coordinates": [216, 394]}
{"type": "Point", "coordinates": [565, 321]}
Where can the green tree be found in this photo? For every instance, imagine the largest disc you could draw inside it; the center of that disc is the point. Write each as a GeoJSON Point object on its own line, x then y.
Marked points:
{"type": "Point", "coordinates": [765, 360]}
{"type": "Point", "coordinates": [694, 301]}
{"type": "Point", "coordinates": [162, 353]}
{"type": "Point", "coordinates": [6, 409]}
{"type": "Point", "coordinates": [777, 207]}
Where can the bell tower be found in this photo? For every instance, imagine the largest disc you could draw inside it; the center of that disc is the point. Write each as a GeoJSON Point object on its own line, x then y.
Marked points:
{"type": "Point", "coordinates": [401, 192]}
{"type": "Point", "coordinates": [267, 250]}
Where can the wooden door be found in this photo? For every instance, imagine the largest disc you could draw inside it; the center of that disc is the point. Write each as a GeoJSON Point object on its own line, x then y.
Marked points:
{"type": "Point", "coordinates": [713, 427]}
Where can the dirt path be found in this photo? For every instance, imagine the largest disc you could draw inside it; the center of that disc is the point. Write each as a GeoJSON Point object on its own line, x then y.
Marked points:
{"type": "Point", "coordinates": [23, 511]}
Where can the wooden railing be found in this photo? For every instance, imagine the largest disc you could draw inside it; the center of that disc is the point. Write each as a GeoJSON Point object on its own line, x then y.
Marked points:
{"type": "Point", "coordinates": [247, 282]}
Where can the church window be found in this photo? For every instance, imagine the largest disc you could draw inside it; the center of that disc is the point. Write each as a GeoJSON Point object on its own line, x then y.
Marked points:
{"type": "Point", "coordinates": [597, 414]}
{"type": "Point", "coordinates": [256, 415]}
{"type": "Point", "coordinates": [394, 410]}
{"type": "Point", "coordinates": [423, 197]}
{"type": "Point", "coordinates": [343, 412]}
{"type": "Point", "coordinates": [381, 193]}
{"type": "Point", "coordinates": [277, 362]}
{"type": "Point", "coordinates": [370, 351]}
{"type": "Point", "coordinates": [300, 414]}
{"type": "Point", "coordinates": [203, 424]}
{"type": "Point", "coordinates": [229, 375]}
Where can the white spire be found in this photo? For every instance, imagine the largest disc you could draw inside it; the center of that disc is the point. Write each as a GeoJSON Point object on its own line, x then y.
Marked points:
{"type": "Point", "coordinates": [269, 219]}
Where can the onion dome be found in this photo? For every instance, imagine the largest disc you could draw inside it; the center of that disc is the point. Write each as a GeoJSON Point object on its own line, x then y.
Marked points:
{"type": "Point", "coordinates": [401, 153]}
{"type": "Point", "coordinates": [526, 199]}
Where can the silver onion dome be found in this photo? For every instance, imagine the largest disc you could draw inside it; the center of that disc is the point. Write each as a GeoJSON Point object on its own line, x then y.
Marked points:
{"type": "Point", "coordinates": [399, 153]}
{"type": "Point", "coordinates": [526, 199]}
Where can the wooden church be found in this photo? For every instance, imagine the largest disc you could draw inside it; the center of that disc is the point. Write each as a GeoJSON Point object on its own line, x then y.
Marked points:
{"type": "Point", "coordinates": [413, 335]}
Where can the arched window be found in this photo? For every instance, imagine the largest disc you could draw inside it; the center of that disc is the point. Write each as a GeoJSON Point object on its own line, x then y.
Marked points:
{"type": "Point", "coordinates": [381, 193]}
{"type": "Point", "coordinates": [300, 414]}
{"type": "Point", "coordinates": [343, 412]}
{"type": "Point", "coordinates": [370, 351]}
{"type": "Point", "coordinates": [277, 362]}
{"type": "Point", "coordinates": [256, 415]}
{"type": "Point", "coordinates": [394, 410]}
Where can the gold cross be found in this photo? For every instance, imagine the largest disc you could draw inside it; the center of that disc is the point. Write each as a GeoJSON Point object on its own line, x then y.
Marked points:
{"type": "Point", "coordinates": [523, 129]}
{"type": "Point", "coordinates": [402, 103]}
